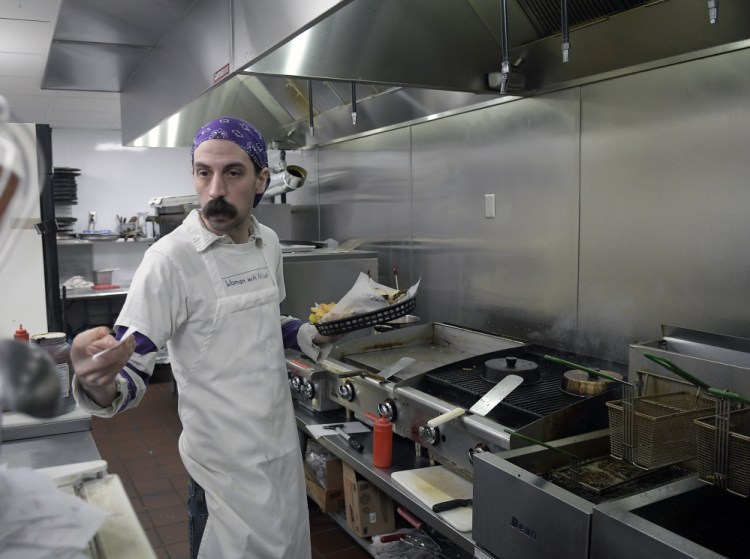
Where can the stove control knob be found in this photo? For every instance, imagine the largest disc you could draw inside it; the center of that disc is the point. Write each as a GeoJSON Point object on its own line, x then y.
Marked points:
{"type": "Point", "coordinates": [388, 409]}
{"type": "Point", "coordinates": [429, 435]}
{"type": "Point", "coordinates": [478, 449]}
{"type": "Point", "coordinates": [308, 390]}
{"type": "Point", "coordinates": [346, 391]}
{"type": "Point", "coordinates": [296, 383]}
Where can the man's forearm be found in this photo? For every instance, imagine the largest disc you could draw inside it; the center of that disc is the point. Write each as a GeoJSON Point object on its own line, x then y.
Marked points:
{"type": "Point", "coordinates": [102, 395]}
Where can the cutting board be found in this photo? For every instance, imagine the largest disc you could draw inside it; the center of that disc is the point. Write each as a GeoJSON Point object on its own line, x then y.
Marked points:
{"type": "Point", "coordinates": [437, 484]}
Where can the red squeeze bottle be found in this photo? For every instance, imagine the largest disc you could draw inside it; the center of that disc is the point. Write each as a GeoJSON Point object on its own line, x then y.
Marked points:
{"type": "Point", "coordinates": [382, 442]}
{"type": "Point", "coordinates": [21, 334]}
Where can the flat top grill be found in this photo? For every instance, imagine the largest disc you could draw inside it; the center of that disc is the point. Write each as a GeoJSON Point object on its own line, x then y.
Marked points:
{"type": "Point", "coordinates": [461, 383]}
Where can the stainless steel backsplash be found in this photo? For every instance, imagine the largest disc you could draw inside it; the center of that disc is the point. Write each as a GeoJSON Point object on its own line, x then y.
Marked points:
{"type": "Point", "coordinates": [620, 205]}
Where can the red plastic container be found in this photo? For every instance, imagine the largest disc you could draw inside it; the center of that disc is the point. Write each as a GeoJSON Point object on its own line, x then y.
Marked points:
{"type": "Point", "coordinates": [21, 334]}
{"type": "Point", "coordinates": [382, 442]}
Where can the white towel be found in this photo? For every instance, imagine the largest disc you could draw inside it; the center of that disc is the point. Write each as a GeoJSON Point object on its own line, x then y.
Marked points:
{"type": "Point", "coordinates": [77, 282]}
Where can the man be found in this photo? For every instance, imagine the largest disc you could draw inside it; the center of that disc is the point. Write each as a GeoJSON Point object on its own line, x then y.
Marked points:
{"type": "Point", "coordinates": [210, 291]}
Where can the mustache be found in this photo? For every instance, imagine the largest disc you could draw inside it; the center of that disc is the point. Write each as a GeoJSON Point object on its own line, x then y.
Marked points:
{"type": "Point", "coordinates": [219, 206]}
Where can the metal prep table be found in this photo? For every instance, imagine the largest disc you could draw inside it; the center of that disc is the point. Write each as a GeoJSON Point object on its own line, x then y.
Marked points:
{"type": "Point", "coordinates": [53, 450]}
{"type": "Point", "coordinates": [404, 458]}
{"type": "Point", "coordinates": [72, 460]}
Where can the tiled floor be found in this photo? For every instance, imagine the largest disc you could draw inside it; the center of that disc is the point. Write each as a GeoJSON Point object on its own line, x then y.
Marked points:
{"type": "Point", "coordinates": [140, 446]}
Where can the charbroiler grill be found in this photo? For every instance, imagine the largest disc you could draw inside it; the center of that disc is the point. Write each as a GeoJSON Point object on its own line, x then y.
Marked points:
{"type": "Point", "coordinates": [543, 407]}
{"type": "Point", "coordinates": [541, 395]}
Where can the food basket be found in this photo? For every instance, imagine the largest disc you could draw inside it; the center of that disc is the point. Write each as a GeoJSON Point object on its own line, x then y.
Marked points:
{"type": "Point", "coordinates": [662, 429]}
{"type": "Point", "coordinates": [366, 320]}
{"type": "Point", "coordinates": [724, 446]}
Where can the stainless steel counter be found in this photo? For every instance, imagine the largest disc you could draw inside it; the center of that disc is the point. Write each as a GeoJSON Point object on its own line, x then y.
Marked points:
{"type": "Point", "coordinates": [404, 458]}
{"type": "Point", "coordinates": [55, 450]}
{"type": "Point", "coordinates": [90, 293]}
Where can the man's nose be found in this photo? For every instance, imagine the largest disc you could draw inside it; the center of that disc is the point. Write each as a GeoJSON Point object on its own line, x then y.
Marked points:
{"type": "Point", "coordinates": [217, 188]}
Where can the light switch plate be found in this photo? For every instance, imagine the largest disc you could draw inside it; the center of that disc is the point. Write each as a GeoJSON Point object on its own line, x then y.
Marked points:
{"type": "Point", "coordinates": [489, 205]}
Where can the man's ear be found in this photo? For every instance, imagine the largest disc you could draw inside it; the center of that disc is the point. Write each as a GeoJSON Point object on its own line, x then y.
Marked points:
{"type": "Point", "coordinates": [260, 185]}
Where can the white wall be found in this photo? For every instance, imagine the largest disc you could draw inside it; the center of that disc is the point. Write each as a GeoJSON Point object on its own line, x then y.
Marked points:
{"type": "Point", "coordinates": [116, 180]}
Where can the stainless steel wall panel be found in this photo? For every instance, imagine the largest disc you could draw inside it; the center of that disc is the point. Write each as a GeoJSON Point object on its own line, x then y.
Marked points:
{"type": "Point", "coordinates": [664, 198]}
{"type": "Point", "coordinates": [514, 274]}
{"type": "Point", "coordinates": [365, 193]}
{"type": "Point", "coordinates": [321, 276]}
{"type": "Point", "coordinates": [619, 206]}
{"type": "Point", "coordinates": [305, 201]}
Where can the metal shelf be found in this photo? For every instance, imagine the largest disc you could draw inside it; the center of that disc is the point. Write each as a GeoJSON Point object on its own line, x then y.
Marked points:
{"type": "Point", "coordinates": [404, 458]}
{"type": "Point", "coordinates": [74, 242]}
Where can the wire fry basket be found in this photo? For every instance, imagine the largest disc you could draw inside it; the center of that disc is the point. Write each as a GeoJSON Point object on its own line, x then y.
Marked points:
{"type": "Point", "coordinates": [381, 316]}
{"type": "Point", "coordinates": [655, 431]}
{"type": "Point", "coordinates": [723, 442]}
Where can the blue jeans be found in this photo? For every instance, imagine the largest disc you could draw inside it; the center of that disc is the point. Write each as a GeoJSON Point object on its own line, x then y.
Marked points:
{"type": "Point", "coordinates": [197, 516]}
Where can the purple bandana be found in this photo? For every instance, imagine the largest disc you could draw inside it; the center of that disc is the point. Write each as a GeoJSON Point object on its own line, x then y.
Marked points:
{"type": "Point", "coordinates": [241, 133]}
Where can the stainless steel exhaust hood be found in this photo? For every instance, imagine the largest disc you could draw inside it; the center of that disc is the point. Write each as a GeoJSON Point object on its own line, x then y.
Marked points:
{"type": "Point", "coordinates": [409, 59]}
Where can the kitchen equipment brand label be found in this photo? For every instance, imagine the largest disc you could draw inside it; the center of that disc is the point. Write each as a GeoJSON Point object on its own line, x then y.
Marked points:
{"type": "Point", "coordinates": [525, 530]}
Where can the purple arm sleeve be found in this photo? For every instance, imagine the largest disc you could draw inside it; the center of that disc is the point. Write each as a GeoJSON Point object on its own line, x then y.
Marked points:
{"type": "Point", "coordinates": [142, 346]}
{"type": "Point", "coordinates": [289, 331]}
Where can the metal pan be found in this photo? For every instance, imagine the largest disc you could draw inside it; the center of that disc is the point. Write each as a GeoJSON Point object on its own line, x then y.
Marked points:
{"type": "Point", "coordinates": [98, 236]}
{"type": "Point", "coordinates": [585, 381]}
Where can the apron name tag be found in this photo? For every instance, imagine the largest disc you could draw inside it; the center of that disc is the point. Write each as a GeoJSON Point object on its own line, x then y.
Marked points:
{"type": "Point", "coordinates": [246, 278]}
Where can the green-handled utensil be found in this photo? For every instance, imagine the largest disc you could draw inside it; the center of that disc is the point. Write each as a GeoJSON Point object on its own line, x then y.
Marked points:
{"type": "Point", "coordinates": [540, 443]}
{"type": "Point", "coordinates": [667, 364]}
{"type": "Point", "coordinates": [729, 395]}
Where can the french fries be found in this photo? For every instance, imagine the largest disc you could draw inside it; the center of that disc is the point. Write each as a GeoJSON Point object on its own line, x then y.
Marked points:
{"type": "Point", "coordinates": [320, 310]}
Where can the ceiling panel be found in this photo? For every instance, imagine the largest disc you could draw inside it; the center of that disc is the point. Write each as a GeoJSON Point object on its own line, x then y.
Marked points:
{"type": "Point", "coordinates": [30, 37]}
{"type": "Point", "coordinates": [39, 10]}
{"type": "Point", "coordinates": [26, 28]}
{"type": "Point", "coordinates": [20, 65]}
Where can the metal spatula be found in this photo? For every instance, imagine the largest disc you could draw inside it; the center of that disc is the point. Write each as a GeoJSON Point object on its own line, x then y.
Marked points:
{"type": "Point", "coordinates": [394, 368]}
{"type": "Point", "coordinates": [496, 395]}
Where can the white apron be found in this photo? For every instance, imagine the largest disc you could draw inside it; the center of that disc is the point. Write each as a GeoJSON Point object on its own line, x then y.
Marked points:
{"type": "Point", "coordinates": [241, 442]}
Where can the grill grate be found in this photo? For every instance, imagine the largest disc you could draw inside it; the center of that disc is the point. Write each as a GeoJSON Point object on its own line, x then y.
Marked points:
{"type": "Point", "coordinates": [461, 384]}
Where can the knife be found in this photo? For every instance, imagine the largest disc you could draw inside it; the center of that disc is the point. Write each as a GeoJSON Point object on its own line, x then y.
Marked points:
{"type": "Point", "coordinates": [452, 504]}
{"type": "Point", "coordinates": [354, 443]}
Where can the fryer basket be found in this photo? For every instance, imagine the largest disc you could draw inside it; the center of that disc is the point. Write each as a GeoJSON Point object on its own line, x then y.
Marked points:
{"type": "Point", "coordinates": [663, 430]}
{"type": "Point", "coordinates": [737, 477]}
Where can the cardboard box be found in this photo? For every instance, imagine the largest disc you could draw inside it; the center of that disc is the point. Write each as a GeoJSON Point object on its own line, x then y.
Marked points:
{"type": "Point", "coordinates": [330, 498]}
{"type": "Point", "coordinates": [369, 511]}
